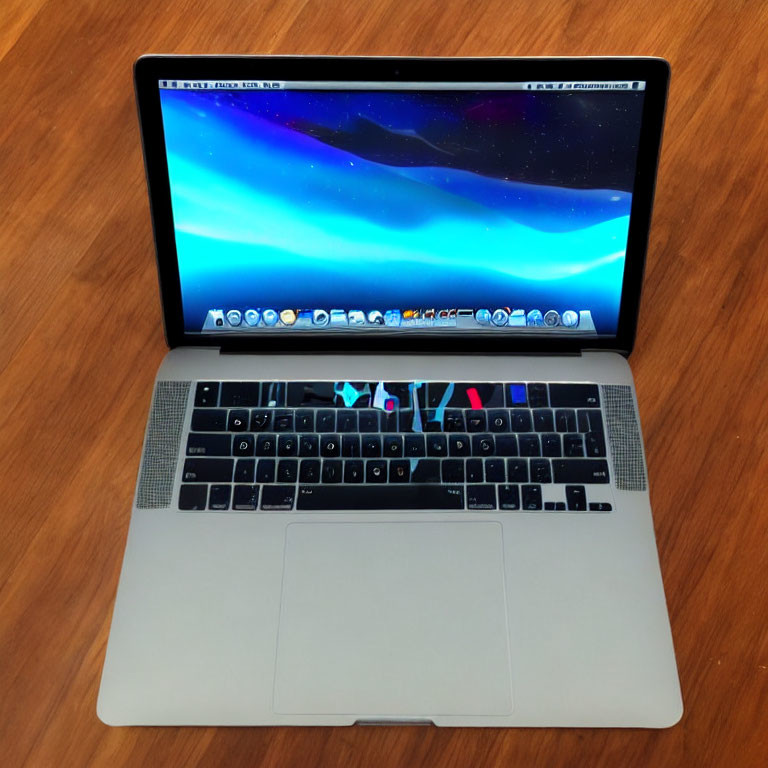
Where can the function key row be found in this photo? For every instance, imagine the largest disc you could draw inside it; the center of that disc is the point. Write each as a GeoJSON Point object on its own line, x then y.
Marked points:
{"type": "Point", "coordinates": [390, 396]}
{"type": "Point", "coordinates": [496, 420]}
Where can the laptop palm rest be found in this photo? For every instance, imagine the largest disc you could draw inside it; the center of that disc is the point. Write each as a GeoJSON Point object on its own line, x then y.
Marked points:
{"type": "Point", "coordinates": [393, 619]}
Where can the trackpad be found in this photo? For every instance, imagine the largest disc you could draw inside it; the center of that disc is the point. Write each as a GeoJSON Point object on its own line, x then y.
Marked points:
{"type": "Point", "coordinates": [403, 618]}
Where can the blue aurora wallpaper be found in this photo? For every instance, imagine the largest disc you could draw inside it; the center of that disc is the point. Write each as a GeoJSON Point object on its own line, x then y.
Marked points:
{"type": "Point", "coordinates": [382, 199]}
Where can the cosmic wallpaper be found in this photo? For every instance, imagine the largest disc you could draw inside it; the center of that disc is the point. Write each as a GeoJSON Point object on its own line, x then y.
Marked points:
{"type": "Point", "coordinates": [383, 199]}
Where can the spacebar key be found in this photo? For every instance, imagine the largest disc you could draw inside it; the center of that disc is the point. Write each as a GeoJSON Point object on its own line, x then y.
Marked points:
{"type": "Point", "coordinates": [322, 497]}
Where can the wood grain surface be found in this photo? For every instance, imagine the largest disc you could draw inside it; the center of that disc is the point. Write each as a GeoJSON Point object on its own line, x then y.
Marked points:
{"type": "Point", "coordinates": [81, 339]}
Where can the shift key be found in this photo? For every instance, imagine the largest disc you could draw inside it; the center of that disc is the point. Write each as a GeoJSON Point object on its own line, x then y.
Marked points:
{"type": "Point", "coordinates": [580, 471]}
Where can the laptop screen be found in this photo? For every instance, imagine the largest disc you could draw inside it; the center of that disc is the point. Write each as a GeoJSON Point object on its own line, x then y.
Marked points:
{"type": "Point", "coordinates": [500, 208]}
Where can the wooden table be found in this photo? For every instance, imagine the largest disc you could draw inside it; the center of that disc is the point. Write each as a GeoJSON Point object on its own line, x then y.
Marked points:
{"type": "Point", "coordinates": [80, 341]}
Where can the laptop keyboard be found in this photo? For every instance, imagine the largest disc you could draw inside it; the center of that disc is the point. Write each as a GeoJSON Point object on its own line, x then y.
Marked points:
{"type": "Point", "coordinates": [310, 446]}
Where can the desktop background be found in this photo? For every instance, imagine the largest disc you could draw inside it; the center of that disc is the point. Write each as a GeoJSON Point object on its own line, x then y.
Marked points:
{"type": "Point", "coordinates": [381, 199]}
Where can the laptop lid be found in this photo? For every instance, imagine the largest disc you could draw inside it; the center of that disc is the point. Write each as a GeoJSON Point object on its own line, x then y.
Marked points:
{"type": "Point", "coordinates": [463, 205]}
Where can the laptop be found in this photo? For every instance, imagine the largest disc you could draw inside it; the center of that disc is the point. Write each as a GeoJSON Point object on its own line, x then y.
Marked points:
{"type": "Point", "coordinates": [393, 469]}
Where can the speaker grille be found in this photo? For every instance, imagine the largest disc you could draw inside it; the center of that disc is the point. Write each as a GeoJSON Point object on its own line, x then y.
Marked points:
{"type": "Point", "coordinates": [158, 465]}
{"type": "Point", "coordinates": [624, 437]}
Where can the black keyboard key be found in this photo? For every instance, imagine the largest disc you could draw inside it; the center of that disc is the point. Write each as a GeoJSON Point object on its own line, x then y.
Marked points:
{"type": "Point", "coordinates": [353, 471]}
{"type": "Point", "coordinates": [437, 445]}
{"type": "Point", "coordinates": [399, 471]}
{"type": "Point", "coordinates": [481, 496]}
{"type": "Point", "coordinates": [573, 445]}
{"type": "Point", "coordinates": [476, 421]}
{"type": "Point", "coordinates": [494, 471]}
{"type": "Point", "coordinates": [559, 506]}
{"type": "Point", "coordinates": [309, 445]}
{"type": "Point", "coordinates": [207, 394]}
{"type": "Point", "coordinates": [350, 445]}
{"type": "Point", "coordinates": [375, 471]}
{"type": "Point", "coordinates": [549, 506]}
{"type": "Point", "coordinates": [305, 421]}
{"type": "Point", "coordinates": [436, 394]}
{"type": "Point", "coordinates": [454, 420]}
{"type": "Point", "coordinates": [574, 396]}
{"type": "Point", "coordinates": [244, 470]}
{"type": "Point", "coordinates": [531, 497]}
{"type": "Point", "coordinates": [265, 471]}
{"type": "Point", "coordinates": [353, 394]}
{"type": "Point", "coordinates": [453, 471]}
{"type": "Point", "coordinates": [240, 394]}
{"type": "Point", "coordinates": [287, 445]}
{"type": "Point", "coordinates": [517, 397]}
{"type": "Point", "coordinates": [393, 446]}
{"type": "Point", "coordinates": [594, 444]}
{"type": "Point", "coordinates": [498, 421]}
{"type": "Point", "coordinates": [459, 445]}
{"type": "Point", "coordinates": [407, 422]}
{"type": "Point", "coordinates": [475, 470]}
{"type": "Point", "coordinates": [565, 420]}
{"type": "Point", "coordinates": [580, 470]}
{"type": "Point", "coordinates": [509, 497]}
{"type": "Point", "coordinates": [208, 471]}
{"type": "Point", "coordinates": [282, 421]}
{"type": "Point", "coordinates": [517, 470]}
{"type": "Point", "coordinates": [576, 498]}
{"type": "Point", "coordinates": [599, 506]}
{"type": "Point", "coordinates": [219, 496]}
{"type": "Point", "coordinates": [193, 496]}
{"type": "Point", "coordinates": [266, 445]}
{"type": "Point", "coordinates": [388, 421]}
{"type": "Point", "coordinates": [309, 471]}
{"type": "Point", "coordinates": [310, 393]}
{"type": "Point", "coordinates": [384, 497]}
{"type": "Point", "coordinates": [325, 421]}
{"type": "Point", "coordinates": [529, 445]}
{"type": "Point", "coordinates": [483, 445]}
{"type": "Point", "coordinates": [431, 421]}
{"type": "Point", "coordinates": [550, 445]}
{"type": "Point", "coordinates": [426, 471]}
{"type": "Point", "coordinates": [199, 444]}
{"type": "Point", "coordinates": [245, 497]}
{"type": "Point", "coordinates": [595, 421]}
{"type": "Point", "coordinates": [541, 471]}
{"type": "Point", "coordinates": [287, 470]}
{"type": "Point", "coordinates": [330, 446]}
{"type": "Point", "coordinates": [478, 395]}
{"type": "Point", "coordinates": [521, 420]}
{"type": "Point", "coordinates": [543, 420]}
{"type": "Point", "coordinates": [332, 469]}
{"type": "Point", "coordinates": [346, 421]}
{"type": "Point", "coordinates": [400, 395]}
{"type": "Point", "coordinates": [272, 394]}
{"type": "Point", "coordinates": [238, 420]}
{"type": "Point", "coordinates": [506, 445]}
{"type": "Point", "coordinates": [242, 445]}
{"type": "Point", "coordinates": [371, 445]}
{"type": "Point", "coordinates": [209, 420]}
{"type": "Point", "coordinates": [277, 497]}
{"type": "Point", "coordinates": [261, 420]}
{"type": "Point", "coordinates": [537, 396]}
{"type": "Point", "coordinates": [583, 421]}
{"type": "Point", "coordinates": [368, 421]}
{"type": "Point", "coordinates": [415, 446]}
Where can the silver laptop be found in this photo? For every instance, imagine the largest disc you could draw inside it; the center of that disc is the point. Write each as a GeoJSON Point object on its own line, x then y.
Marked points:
{"type": "Point", "coordinates": [393, 468]}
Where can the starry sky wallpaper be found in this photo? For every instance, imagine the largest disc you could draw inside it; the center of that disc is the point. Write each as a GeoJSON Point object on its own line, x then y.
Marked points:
{"type": "Point", "coordinates": [383, 199]}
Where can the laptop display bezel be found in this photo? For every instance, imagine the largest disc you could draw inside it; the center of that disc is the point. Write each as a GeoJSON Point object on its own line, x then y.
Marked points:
{"type": "Point", "coordinates": [149, 70]}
